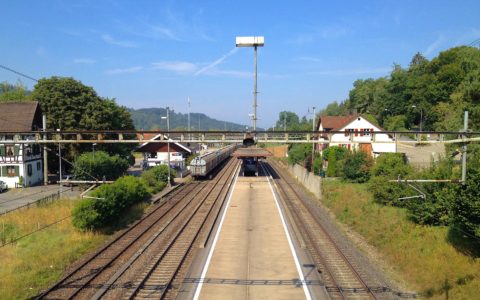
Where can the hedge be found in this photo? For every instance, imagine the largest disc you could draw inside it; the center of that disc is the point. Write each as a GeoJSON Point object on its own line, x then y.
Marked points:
{"type": "Point", "coordinates": [111, 200]}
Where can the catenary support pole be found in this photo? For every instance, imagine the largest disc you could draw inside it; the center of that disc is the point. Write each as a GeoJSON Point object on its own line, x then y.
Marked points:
{"type": "Point", "coordinates": [464, 150]}
{"type": "Point", "coordinates": [45, 160]}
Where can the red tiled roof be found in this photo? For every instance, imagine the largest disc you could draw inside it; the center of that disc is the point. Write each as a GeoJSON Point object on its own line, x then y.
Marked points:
{"type": "Point", "coordinates": [335, 123]}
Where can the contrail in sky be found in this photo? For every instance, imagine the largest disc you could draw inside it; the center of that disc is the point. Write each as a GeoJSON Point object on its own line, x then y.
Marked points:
{"type": "Point", "coordinates": [215, 63]}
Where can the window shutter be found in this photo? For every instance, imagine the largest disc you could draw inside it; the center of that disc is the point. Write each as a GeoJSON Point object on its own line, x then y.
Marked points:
{"type": "Point", "coordinates": [16, 150]}
{"type": "Point", "coordinates": [17, 170]}
{"type": "Point", "coordinates": [4, 171]}
{"type": "Point", "coordinates": [2, 150]}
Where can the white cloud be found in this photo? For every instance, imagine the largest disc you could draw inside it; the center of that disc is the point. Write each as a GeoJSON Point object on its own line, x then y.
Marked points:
{"type": "Point", "coordinates": [164, 33]}
{"type": "Point", "coordinates": [229, 73]}
{"type": "Point", "coordinates": [217, 62]}
{"type": "Point", "coordinates": [176, 66]}
{"type": "Point", "coordinates": [87, 61]}
{"type": "Point", "coordinates": [435, 45]}
{"type": "Point", "coordinates": [124, 71]}
{"type": "Point", "coordinates": [110, 40]}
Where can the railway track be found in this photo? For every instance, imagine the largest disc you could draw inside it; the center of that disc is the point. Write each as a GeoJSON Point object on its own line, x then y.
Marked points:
{"type": "Point", "coordinates": [144, 260]}
{"type": "Point", "coordinates": [341, 278]}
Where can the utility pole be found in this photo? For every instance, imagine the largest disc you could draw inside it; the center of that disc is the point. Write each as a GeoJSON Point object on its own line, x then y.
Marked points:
{"type": "Point", "coordinates": [313, 143]}
{"type": "Point", "coordinates": [189, 114]}
{"type": "Point", "coordinates": [60, 162]}
{"type": "Point", "coordinates": [464, 150]}
{"type": "Point", "coordinates": [284, 121]}
{"type": "Point", "coordinates": [168, 144]}
{"type": "Point", "coordinates": [45, 160]}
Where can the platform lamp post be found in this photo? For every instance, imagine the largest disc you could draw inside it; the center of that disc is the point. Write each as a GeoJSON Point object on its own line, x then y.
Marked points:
{"type": "Point", "coordinates": [252, 41]}
{"type": "Point", "coordinates": [168, 144]}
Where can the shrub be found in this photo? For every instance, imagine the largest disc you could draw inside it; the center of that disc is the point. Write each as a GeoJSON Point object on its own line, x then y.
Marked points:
{"type": "Point", "coordinates": [298, 153]}
{"type": "Point", "coordinates": [466, 204]}
{"type": "Point", "coordinates": [332, 164]}
{"type": "Point", "coordinates": [112, 200]}
{"type": "Point", "coordinates": [357, 167]}
{"type": "Point", "coordinates": [99, 164]}
{"type": "Point", "coordinates": [317, 164]}
{"type": "Point", "coordinates": [389, 166]}
{"type": "Point", "coordinates": [86, 215]}
{"type": "Point", "coordinates": [334, 155]}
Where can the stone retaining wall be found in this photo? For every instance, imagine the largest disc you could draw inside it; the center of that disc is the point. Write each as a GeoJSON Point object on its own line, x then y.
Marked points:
{"type": "Point", "coordinates": [311, 182]}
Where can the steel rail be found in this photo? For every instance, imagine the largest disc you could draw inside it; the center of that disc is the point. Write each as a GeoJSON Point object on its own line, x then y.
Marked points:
{"type": "Point", "coordinates": [115, 240]}
{"type": "Point", "coordinates": [137, 289]}
{"type": "Point", "coordinates": [329, 237]}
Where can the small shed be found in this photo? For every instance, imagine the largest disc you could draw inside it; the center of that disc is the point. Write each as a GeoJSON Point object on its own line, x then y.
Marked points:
{"type": "Point", "coordinates": [157, 153]}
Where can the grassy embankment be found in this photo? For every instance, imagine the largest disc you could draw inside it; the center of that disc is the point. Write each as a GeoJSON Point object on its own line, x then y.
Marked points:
{"type": "Point", "coordinates": [422, 255]}
{"type": "Point", "coordinates": [37, 261]}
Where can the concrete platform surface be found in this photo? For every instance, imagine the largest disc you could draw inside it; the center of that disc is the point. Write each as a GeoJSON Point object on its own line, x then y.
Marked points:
{"type": "Point", "coordinates": [252, 258]}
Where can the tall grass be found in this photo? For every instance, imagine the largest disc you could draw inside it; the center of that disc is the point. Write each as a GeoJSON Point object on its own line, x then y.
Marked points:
{"type": "Point", "coordinates": [35, 262]}
{"type": "Point", "coordinates": [422, 255]}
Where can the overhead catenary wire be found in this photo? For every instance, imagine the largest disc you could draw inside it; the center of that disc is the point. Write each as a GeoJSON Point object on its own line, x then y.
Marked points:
{"type": "Point", "coordinates": [18, 73]}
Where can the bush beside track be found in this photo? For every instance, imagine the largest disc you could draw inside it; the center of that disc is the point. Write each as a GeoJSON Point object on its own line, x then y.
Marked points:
{"type": "Point", "coordinates": [110, 201]}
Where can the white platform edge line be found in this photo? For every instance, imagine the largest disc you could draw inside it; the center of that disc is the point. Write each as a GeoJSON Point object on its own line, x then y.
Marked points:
{"type": "Point", "coordinates": [292, 249]}
{"type": "Point", "coordinates": [214, 243]}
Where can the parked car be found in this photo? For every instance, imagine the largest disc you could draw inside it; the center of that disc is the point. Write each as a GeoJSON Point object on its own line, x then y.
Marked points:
{"type": "Point", "coordinates": [3, 186]}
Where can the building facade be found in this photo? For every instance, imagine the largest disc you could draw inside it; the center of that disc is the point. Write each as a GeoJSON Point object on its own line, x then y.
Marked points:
{"type": "Point", "coordinates": [157, 154]}
{"type": "Point", "coordinates": [20, 164]}
{"type": "Point", "coordinates": [356, 133]}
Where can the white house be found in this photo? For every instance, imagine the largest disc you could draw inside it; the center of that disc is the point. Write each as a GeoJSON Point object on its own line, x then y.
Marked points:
{"type": "Point", "coordinates": [157, 153]}
{"type": "Point", "coordinates": [356, 134]}
{"type": "Point", "coordinates": [20, 162]}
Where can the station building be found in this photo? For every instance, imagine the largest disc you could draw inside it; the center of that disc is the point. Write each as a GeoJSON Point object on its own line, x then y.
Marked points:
{"type": "Point", "coordinates": [20, 164]}
{"type": "Point", "coordinates": [155, 154]}
{"type": "Point", "coordinates": [356, 133]}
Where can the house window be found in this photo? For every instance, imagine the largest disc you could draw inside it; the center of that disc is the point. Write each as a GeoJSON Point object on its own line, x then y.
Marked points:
{"type": "Point", "coordinates": [29, 170]}
{"type": "Point", "coordinates": [28, 150]}
{"type": "Point", "coordinates": [367, 131]}
{"type": "Point", "coordinates": [9, 150]}
{"type": "Point", "coordinates": [39, 166]}
{"type": "Point", "coordinates": [11, 171]}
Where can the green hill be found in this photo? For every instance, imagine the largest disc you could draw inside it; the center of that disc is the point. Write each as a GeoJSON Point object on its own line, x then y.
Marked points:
{"type": "Point", "coordinates": [150, 119]}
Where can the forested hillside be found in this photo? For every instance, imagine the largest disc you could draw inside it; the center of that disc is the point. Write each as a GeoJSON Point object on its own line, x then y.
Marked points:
{"type": "Point", "coordinates": [151, 118]}
{"type": "Point", "coordinates": [437, 91]}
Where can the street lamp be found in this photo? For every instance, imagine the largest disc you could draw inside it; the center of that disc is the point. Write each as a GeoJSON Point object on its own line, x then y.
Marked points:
{"type": "Point", "coordinates": [252, 41]}
{"type": "Point", "coordinates": [421, 116]}
{"type": "Point", "coordinates": [168, 144]}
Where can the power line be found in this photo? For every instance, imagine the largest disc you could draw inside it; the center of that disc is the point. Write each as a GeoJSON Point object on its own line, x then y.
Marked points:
{"type": "Point", "coordinates": [18, 73]}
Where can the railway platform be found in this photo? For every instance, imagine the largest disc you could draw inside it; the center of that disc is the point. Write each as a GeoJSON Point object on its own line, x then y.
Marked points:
{"type": "Point", "coordinates": [252, 254]}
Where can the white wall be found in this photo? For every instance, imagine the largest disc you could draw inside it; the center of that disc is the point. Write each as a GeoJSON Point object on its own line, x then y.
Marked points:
{"type": "Point", "coordinates": [359, 124]}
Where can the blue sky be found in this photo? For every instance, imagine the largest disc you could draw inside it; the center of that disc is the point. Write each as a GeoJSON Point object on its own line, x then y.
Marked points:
{"type": "Point", "coordinates": [158, 53]}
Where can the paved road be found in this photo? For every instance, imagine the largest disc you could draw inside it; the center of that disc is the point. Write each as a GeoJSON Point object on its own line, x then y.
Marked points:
{"type": "Point", "coordinates": [14, 198]}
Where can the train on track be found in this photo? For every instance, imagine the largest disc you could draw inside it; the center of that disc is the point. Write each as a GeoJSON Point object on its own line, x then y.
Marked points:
{"type": "Point", "coordinates": [202, 165]}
